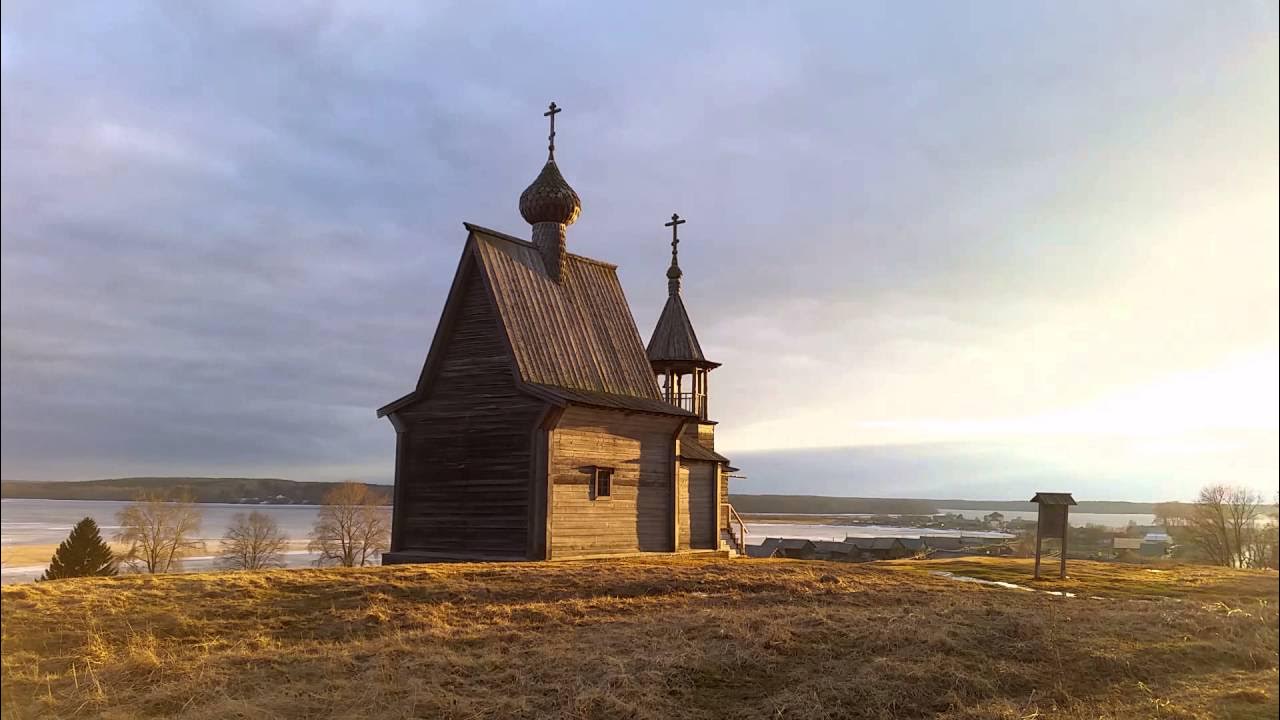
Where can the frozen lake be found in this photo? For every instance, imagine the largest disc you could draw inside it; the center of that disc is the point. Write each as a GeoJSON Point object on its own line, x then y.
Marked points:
{"type": "Point", "coordinates": [47, 522]}
{"type": "Point", "coordinates": [758, 531]}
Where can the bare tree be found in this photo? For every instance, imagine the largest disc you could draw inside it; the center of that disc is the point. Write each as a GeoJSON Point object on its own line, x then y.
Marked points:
{"type": "Point", "coordinates": [159, 529]}
{"type": "Point", "coordinates": [1224, 524]}
{"type": "Point", "coordinates": [1173, 514]}
{"type": "Point", "coordinates": [253, 542]}
{"type": "Point", "coordinates": [353, 526]}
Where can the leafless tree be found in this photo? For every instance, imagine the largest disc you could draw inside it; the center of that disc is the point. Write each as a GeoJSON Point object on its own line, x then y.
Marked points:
{"type": "Point", "coordinates": [1224, 524]}
{"type": "Point", "coordinates": [353, 526]}
{"type": "Point", "coordinates": [1173, 514]}
{"type": "Point", "coordinates": [159, 529]}
{"type": "Point", "coordinates": [253, 542]}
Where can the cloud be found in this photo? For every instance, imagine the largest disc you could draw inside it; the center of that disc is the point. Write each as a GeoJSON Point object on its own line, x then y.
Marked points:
{"type": "Point", "coordinates": [228, 230]}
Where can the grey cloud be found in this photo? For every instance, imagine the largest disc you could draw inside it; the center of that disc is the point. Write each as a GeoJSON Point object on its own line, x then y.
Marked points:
{"type": "Point", "coordinates": [228, 229]}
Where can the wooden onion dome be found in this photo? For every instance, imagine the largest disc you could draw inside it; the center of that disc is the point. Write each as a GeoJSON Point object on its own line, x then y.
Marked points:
{"type": "Point", "coordinates": [550, 206]}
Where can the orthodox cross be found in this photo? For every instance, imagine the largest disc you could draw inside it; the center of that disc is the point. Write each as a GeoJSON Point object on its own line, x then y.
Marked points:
{"type": "Point", "coordinates": [551, 139]}
{"type": "Point", "coordinates": [675, 224]}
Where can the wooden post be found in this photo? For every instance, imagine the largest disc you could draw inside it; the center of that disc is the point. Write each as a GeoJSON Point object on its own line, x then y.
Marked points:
{"type": "Point", "coordinates": [1037, 575]}
{"type": "Point", "coordinates": [1062, 561]}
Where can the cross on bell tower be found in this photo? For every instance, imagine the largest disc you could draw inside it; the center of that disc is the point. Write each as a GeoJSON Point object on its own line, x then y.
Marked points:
{"type": "Point", "coordinates": [674, 273]}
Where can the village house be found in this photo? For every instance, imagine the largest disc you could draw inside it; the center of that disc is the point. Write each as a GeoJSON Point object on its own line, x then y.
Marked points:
{"type": "Point", "coordinates": [1125, 548]}
{"type": "Point", "coordinates": [537, 428]}
{"type": "Point", "coordinates": [837, 550]}
{"type": "Point", "coordinates": [878, 548]}
{"type": "Point", "coordinates": [795, 548]}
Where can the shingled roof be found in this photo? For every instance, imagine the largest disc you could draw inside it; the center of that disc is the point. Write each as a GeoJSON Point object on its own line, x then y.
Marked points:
{"type": "Point", "coordinates": [673, 337]}
{"type": "Point", "coordinates": [691, 450]}
{"type": "Point", "coordinates": [573, 341]}
{"type": "Point", "coordinates": [1053, 498]}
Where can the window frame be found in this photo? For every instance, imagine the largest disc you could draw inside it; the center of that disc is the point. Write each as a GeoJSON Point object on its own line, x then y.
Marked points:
{"type": "Point", "coordinates": [609, 475]}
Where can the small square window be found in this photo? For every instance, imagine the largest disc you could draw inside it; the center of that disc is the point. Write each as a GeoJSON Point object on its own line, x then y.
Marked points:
{"type": "Point", "coordinates": [602, 486]}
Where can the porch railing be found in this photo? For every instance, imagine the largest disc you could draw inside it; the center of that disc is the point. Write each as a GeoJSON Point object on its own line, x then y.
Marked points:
{"type": "Point", "coordinates": [740, 537]}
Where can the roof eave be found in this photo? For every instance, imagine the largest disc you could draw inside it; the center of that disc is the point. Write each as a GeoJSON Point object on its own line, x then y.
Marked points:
{"type": "Point", "coordinates": [396, 404]}
{"type": "Point", "coordinates": [707, 364]}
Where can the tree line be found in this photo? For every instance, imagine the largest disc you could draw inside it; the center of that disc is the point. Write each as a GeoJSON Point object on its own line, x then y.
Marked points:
{"type": "Point", "coordinates": [1227, 525]}
{"type": "Point", "coordinates": [159, 529]}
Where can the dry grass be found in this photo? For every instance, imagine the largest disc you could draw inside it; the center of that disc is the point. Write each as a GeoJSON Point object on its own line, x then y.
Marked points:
{"type": "Point", "coordinates": [630, 639]}
{"type": "Point", "coordinates": [1201, 583]}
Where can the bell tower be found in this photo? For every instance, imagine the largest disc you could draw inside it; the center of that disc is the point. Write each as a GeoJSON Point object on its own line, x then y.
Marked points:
{"type": "Point", "coordinates": [674, 352]}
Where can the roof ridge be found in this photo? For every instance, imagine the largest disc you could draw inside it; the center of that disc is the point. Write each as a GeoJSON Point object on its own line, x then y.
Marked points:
{"type": "Point", "coordinates": [496, 234]}
{"type": "Point", "coordinates": [499, 235]}
{"type": "Point", "coordinates": [593, 261]}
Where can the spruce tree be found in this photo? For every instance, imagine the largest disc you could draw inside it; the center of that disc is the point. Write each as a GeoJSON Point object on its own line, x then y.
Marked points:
{"type": "Point", "coordinates": [82, 554]}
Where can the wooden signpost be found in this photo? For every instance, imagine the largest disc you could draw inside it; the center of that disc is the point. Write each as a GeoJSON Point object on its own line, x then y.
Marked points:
{"type": "Point", "coordinates": [1051, 521]}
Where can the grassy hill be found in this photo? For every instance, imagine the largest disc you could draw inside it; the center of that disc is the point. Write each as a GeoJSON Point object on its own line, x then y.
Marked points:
{"type": "Point", "coordinates": [661, 638]}
{"type": "Point", "coordinates": [203, 489]}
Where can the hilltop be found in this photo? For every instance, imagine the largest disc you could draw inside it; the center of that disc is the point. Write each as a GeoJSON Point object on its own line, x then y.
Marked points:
{"type": "Point", "coordinates": [652, 638]}
{"type": "Point", "coordinates": [202, 489]}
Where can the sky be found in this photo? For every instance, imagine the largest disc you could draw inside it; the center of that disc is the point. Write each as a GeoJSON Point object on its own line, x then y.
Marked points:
{"type": "Point", "coordinates": [941, 249]}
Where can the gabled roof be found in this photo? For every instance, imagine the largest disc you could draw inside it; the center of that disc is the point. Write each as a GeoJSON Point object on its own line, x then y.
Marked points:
{"type": "Point", "coordinates": [1051, 498]}
{"type": "Point", "coordinates": [577, 333]}
{"type": "Point", "coordinates": [833, 546]}
{"type": "Point", "coordinates": [573, 341]}
{"type": "Point", "coordinates": [875, 543]}
{"type": "Point", "coordinates": [795, 544]}
{"type": "Point", "coordinates": [673, 337]}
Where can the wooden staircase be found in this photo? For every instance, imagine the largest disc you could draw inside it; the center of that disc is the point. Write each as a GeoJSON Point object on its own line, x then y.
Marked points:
{"type": "Point", "coordinates": [737, 541]}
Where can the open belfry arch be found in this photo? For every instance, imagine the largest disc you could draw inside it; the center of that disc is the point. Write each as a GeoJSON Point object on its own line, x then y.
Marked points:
{"type": "Point", "coordinates": [537, 428]}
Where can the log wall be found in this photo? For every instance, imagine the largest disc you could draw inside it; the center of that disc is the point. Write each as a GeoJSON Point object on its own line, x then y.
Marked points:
{"type": "Point", "coordinates": [466, 455]}
{"type": "Point", "coordinates": [637, 517]}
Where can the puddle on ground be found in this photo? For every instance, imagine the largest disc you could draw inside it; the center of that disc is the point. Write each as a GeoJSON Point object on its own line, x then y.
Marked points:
{"type": "Point", "coordinates": [1007, 585]}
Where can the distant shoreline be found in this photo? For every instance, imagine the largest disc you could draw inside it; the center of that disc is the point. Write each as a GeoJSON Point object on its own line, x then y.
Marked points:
{"type": "Point", "coordinates": [233, 491]}
{"type": "Point", "coordinates": [281, 492]}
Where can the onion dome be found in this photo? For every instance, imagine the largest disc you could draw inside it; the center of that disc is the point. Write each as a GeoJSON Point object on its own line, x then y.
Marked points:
{"type": "Point", "coordinates": [549, 198]}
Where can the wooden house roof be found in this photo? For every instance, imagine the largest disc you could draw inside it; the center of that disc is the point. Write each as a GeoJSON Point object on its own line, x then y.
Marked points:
{"type": "Point", "coordinates": [873, 543]}
{"type": "Point", "coordinates": [690, 450]}
{"type": "Point", "coordinates": [1052, 498]}
{"type": "Point", "coordinates": [577, 333]}
{"type": "Point", "coordinates": [833, 547]}
{"type": "Point", "coordinates": [673, 337]}
{"type": "Point", "coordinates": [573, 341]}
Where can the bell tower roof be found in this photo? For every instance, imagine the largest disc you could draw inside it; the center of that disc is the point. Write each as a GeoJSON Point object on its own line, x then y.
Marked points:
{"type": "Point", "coordinates": [674, 341]}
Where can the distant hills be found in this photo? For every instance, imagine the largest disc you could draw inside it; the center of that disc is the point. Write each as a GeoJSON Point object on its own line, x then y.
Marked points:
{"type": "Point", "coordinates": [273, 491]}
{"type": "Point", "coordinates": [818, 505]}
{"type": "Point", "coordinates": [278, 491]}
